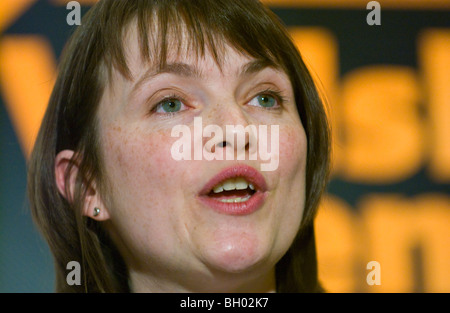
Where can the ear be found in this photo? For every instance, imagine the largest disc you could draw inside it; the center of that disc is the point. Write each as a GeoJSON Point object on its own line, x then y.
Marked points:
{"type": "Point", "coordinates": [92, 200]}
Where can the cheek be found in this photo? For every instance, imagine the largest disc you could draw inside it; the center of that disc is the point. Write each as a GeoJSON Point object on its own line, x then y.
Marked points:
{"type": "Point", "coordinates": [291, 177]}
{"type": "Point", "coordinates": [139, 166]}
{"type": "Point", "coordinates": [293, 150]}
{"type": "Point", "coordinates": [145, 190]}
{"type": "Point", "coordinates": [135, 151]}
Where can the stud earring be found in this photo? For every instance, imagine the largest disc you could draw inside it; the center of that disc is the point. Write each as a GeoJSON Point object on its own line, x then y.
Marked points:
{"type": "Point", "coordinates": [96, 211]}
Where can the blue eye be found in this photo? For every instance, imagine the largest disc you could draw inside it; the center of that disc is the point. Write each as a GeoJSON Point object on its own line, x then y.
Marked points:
{"type": "Point", "coordinates": [264, 100]}
{"type": "Point", "coordinates": [170, 106]}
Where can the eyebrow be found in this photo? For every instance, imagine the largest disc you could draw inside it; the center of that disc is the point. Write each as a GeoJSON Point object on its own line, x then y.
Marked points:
{"type": "Point", "coordinates": [255, 66]}
{"type": "Point", "coordinates": [180, 69]}
{"type": "Point", "coordinates": [187, 70]}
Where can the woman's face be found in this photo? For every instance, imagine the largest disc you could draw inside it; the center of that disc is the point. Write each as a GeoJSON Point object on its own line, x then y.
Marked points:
{"type": "Point", "coordinates": [174, 231]}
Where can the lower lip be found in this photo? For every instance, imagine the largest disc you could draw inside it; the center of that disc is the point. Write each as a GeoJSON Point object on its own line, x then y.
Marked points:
{"type": "Point", "coordinates": [239, 208]}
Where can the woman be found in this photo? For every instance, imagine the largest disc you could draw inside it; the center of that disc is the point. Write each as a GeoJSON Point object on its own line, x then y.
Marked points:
{"type": "Point", "coordinates": [106, 189]}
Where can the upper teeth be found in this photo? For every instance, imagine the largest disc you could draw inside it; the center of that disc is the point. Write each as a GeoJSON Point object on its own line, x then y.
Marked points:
{"type": "Point", "coordinates": [233, 184]}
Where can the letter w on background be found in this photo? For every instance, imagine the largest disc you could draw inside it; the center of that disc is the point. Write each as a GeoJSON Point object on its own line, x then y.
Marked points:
{"type": "Point", "coordinates": [27, 76]}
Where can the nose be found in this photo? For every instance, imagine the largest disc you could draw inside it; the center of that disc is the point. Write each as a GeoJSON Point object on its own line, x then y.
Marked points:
{"type": "Point", "coordinates": [228, 134]}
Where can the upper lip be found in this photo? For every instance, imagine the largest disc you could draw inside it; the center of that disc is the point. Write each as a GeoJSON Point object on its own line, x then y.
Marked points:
{"type": "Point", "coordinates": [247, 172]}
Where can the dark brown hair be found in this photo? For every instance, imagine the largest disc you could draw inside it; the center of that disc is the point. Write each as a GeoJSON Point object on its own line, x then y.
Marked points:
{"type": "Point", "coordinates": [94, 50]}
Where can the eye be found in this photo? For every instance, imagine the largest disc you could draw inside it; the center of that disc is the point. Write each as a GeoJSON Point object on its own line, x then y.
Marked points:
{"type": "Point", "coordinates": [170, 106]}
{"type": "Point", "coordinates": [265, 101]}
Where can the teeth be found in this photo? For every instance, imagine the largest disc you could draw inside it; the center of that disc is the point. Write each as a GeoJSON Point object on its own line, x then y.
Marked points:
{"type": "Point", "coordinates": [235, 200]}
{"type": "Point", "coordinates": [229, 185]}
{"type": "Point", "coordinates": [218, 189]}
{"type": "Point", "coordinates": [241, 184]}
{"type": "Point", "coordinates": [233, 184]}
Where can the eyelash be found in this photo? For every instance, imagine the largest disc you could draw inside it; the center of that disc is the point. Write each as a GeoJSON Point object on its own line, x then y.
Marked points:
{"type": "Point", "coordinates": [167, 98]}
{"type": "Point", "coordinates": [281, 100]}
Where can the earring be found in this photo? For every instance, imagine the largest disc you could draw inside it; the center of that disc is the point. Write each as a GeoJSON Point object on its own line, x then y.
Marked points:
{"type": "Point", "coordinates": [96, 211]}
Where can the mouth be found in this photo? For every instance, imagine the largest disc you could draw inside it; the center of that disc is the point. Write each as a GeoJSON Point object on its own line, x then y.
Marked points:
{"type": "Point", "coordinates": [239, 190]}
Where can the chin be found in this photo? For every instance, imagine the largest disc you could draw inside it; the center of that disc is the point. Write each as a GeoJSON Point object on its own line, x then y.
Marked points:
{"type": "Point", "coordinates": [238, 254]}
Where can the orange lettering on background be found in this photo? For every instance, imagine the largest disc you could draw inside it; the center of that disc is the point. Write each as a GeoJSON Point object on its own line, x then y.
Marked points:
{"type": "Point", "coordinates": [11, 9]}
{"type": "Point", "coordinates": [386, 229]}
{"type": "Point", "coordinates": [383, 132]}
{"type": "Point", "coordinates": [319, 49]}
{"type": "Point", "coordinates": [434, 52]}
{"type": "Point", "coordinates": [434, 228]}
{"type": "Point", "coordinates": [395, 225]}
{"type": "Point", "coordinates": [337, 249]}
{"type": "Point", "coordinates": [27, 74]}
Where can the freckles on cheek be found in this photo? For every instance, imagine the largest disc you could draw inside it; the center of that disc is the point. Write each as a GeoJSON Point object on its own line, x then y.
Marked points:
{"type": "Point", "coordinates": [137, 156]}
{"type": "Point", "coordinates": [293, 148]}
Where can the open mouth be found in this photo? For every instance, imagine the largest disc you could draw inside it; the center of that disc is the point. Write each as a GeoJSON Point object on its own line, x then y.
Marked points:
{"type": "Point", "coordinates": [237, 190]}
{"type": "Point", "coordinates": [233, 190]}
